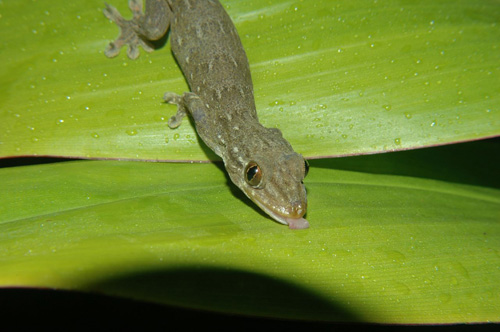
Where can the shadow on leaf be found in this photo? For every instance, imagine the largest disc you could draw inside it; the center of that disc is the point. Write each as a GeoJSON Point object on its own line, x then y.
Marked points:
{"type": "Point", "coordinates": [472, 163]}
{"type": "Point", "coordinates": [226, 290]}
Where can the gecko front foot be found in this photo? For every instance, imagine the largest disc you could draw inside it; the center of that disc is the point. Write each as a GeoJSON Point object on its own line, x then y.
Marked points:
{"type": "Point", "coordinates": [128, 31]}
{"type": "Point", "coordinates": [173, 98]}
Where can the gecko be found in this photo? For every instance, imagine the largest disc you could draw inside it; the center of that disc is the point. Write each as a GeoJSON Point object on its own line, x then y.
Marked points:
{"type": "Point", "coordinates": [208, 49]}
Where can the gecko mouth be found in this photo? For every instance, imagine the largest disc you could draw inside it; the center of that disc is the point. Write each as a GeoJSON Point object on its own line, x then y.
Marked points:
{"type": "Point", "coordinates": [292, 222]}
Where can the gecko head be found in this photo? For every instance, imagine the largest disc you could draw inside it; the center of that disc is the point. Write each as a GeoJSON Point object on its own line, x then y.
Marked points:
{"type": "Point", "coordinates": [271, 174]}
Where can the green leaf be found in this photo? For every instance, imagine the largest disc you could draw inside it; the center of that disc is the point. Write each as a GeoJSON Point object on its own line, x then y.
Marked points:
{"type": "Point", "coordinates": [342, 78]}
{"type": "Point", "coordinates": [381, 247]}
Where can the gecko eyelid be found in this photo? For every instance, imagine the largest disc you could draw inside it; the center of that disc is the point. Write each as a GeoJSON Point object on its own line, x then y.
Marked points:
{"type": "Point", "coordinates": [253, 174]}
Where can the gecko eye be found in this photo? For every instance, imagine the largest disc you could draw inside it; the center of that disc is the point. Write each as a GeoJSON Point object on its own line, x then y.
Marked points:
{"type": "Point", "coordinates": [253, 174]}
{"type": "Point", "coordinates": [306, 168]}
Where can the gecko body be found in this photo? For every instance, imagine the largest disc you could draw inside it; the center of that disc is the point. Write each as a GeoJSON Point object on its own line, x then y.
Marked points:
{"type": "Point", "coordinates": [221, 102]}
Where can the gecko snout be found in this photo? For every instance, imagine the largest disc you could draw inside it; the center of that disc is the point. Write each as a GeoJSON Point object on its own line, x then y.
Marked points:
{"type": "Point", "coordinates": [298, 209]}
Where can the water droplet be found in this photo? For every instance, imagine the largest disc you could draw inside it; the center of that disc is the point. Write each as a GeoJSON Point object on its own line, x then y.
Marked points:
{"type": "Point", "coordinates": [396, 256]}
{"type": "Point", "coordinates": [176, 137]}
{"type": "Point", "coordinates": [95, 135]}
{"type": "Point", "coordinates": [402, 288]}
{"type": "Point", "coordinates": [408, 115]}
{"type": "Point", "coordinates": [159, 118]}
{"type": "Point", "coordinates": [461, 270]}
{"type": "Point", "coordinates": [387, 107]}
{"type": "Point", "coordinates": [277, 102]}
{"type": "Point", "coordinates": [131, 132]}
{"type": "Point", "coordinates": [397, 141]}
{"type": "Point", "coordinates": [445, 298]}
{"type": "Point", "coordinates": [433, 123]}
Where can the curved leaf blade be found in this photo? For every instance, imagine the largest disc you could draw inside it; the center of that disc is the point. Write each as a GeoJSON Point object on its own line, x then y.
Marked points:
{"type": "Point", "coordinates": [381, 248]}
{"type": "Point", "coordinates": [337, 79]}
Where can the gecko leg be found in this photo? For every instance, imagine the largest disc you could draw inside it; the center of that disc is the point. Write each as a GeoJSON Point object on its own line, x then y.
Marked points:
{"type": "Point", "coordinates": [141, 29]}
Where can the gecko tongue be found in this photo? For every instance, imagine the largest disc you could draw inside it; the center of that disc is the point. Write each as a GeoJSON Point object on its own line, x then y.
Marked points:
{"type": "Point", "coordinates": [297, 223]}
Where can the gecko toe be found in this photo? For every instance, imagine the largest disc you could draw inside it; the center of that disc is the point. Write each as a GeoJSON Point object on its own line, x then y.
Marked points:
{"type": "Point", "coordinates": [174, 122]}
{"type": "Point", "coordinates": [136, 7]}
{"type": "Point", "coordinates": [112, 13]}
{"type": "Point", "coordinates": [172, 98]}
{"type": "Point", "coordinates": [112, 51]}
{"type": "Point", "coordinates": [133, 52]}
{"type": "Point", "coordinates": [146, 47]}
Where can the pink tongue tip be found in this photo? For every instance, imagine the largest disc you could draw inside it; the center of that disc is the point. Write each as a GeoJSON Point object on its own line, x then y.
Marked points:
{"type": "Point", "coordinates": [297, 223]}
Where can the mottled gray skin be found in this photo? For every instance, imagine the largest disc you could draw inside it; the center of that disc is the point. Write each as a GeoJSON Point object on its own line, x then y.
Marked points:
{"type": "Point", "coordinates": [209, 51]}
